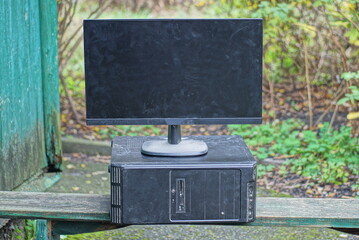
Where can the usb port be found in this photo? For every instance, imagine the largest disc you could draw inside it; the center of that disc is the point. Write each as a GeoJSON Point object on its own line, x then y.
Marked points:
{"type": "Point", "coordinates": [181, 195]}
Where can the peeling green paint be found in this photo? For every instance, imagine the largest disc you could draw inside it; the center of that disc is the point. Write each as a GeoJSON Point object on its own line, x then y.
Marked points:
{"type": "Point", "coordinates": [29, 104]}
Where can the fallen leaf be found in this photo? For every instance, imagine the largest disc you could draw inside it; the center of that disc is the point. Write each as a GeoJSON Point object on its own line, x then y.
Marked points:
{"type": "Point", "coordinates": [98, 173]}
{"type": "Point", "coordinates": [353, 115]}
{"type": "Point", "coordinates": [70, 166]}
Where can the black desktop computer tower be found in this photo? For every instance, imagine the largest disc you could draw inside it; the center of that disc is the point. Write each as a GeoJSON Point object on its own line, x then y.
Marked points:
{"type": "Point", "coordinates": [218, 187]}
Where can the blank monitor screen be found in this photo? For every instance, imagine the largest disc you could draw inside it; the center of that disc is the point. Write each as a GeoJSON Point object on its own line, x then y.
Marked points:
{"type": "Point", "coordinates": [173, 71]}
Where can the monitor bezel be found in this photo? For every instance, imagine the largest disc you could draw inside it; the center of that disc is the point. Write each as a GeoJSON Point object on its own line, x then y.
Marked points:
{"type": "Point", "coordinates": [180, 121]}
{"type": "Point", "coordinates": [172, 121]}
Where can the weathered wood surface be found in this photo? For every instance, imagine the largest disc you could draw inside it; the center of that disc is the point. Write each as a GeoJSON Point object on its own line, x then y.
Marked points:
{"type": "Point", "coordinates": [42, 230]}
{"type": "Point", "coordinates": [21, 108]}
{"type": "Point", "coordinates": [85, 207]}
{"type": "Point", "coordinates": [316, 212]}
{"type": "Point", "coordinates": [339, 213]}
{"type": "Point", "coordinates": [29, 98]}
{"type": "Point", "coordinates": [50, 81]}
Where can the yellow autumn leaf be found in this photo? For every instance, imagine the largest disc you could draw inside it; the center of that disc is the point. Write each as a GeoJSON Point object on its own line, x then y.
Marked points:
{"type": "Point", "coordinates": [353, 115]}
{"type": "Point", "coordinates": [356, 43]}
{"type": "Point", "coordinates": [348, 6]}
{"type": "Point", "coordinates": [200, 3]}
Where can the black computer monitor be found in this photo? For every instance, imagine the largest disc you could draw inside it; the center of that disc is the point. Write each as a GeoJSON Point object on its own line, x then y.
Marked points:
{"type": "Point", "coordinates": [173, 72]}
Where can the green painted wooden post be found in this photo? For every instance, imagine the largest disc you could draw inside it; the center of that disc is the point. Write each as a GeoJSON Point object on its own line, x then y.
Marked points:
{"type": "Point", "coordinates": [29, 99]}
{"type": "Point", "coordinates": [49, 65]}
{"type": "Point", "coordinates": [22, 151]}
{"type": "Point", "coordinates": [42, 232]}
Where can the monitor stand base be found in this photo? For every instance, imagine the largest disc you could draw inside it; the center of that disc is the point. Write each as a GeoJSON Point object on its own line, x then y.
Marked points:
{"type": "Point", "coordinates": [174, 146]}
{"type": "Point", "coordinates": [185, 148]}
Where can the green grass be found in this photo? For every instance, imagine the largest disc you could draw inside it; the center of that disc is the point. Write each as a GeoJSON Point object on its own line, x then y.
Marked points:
{"type": "Point", "coordinates": [328, 155]}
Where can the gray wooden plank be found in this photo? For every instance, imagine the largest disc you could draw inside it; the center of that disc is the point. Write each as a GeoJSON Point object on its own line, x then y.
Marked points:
{"type": "Point", "coordinates": [90, 207]}
{"type": "Point", "coordinates": [270, 211]}
{"type": "Point", "coordinates": [308, 207]}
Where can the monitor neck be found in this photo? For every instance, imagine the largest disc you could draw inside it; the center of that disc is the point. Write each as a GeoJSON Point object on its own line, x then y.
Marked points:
{"type": "Point", "coordinates": [174, 134]}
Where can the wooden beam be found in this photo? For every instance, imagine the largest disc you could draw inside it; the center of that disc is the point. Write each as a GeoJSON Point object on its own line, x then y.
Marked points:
{"type": "Point", "coordinates": [59, 206]}
{"type": "Point", "coordinates": [309, 212]}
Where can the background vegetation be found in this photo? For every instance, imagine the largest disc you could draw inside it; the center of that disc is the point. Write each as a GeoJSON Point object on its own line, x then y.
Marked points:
{"type": "Point", "coordinates": [310, 79]}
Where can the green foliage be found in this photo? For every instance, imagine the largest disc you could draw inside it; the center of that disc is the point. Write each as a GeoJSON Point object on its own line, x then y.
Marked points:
{"type": "Point", "coordinates": [328, 155]}
{"type": "Point", "coordinates": [17, 233]}
{"type": "Point", "coordinates": [262, 169]}
{"type": "Point", "coordinates": [30, 229]}
{"type": "Point", "coordinates": [280, 136]}
{"type": "Point", "coordinates": [352, 96]}
{"type": "Point", "coordinates": [347, 76]}
{"type": "Point", "coordinates": [75, 85]}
